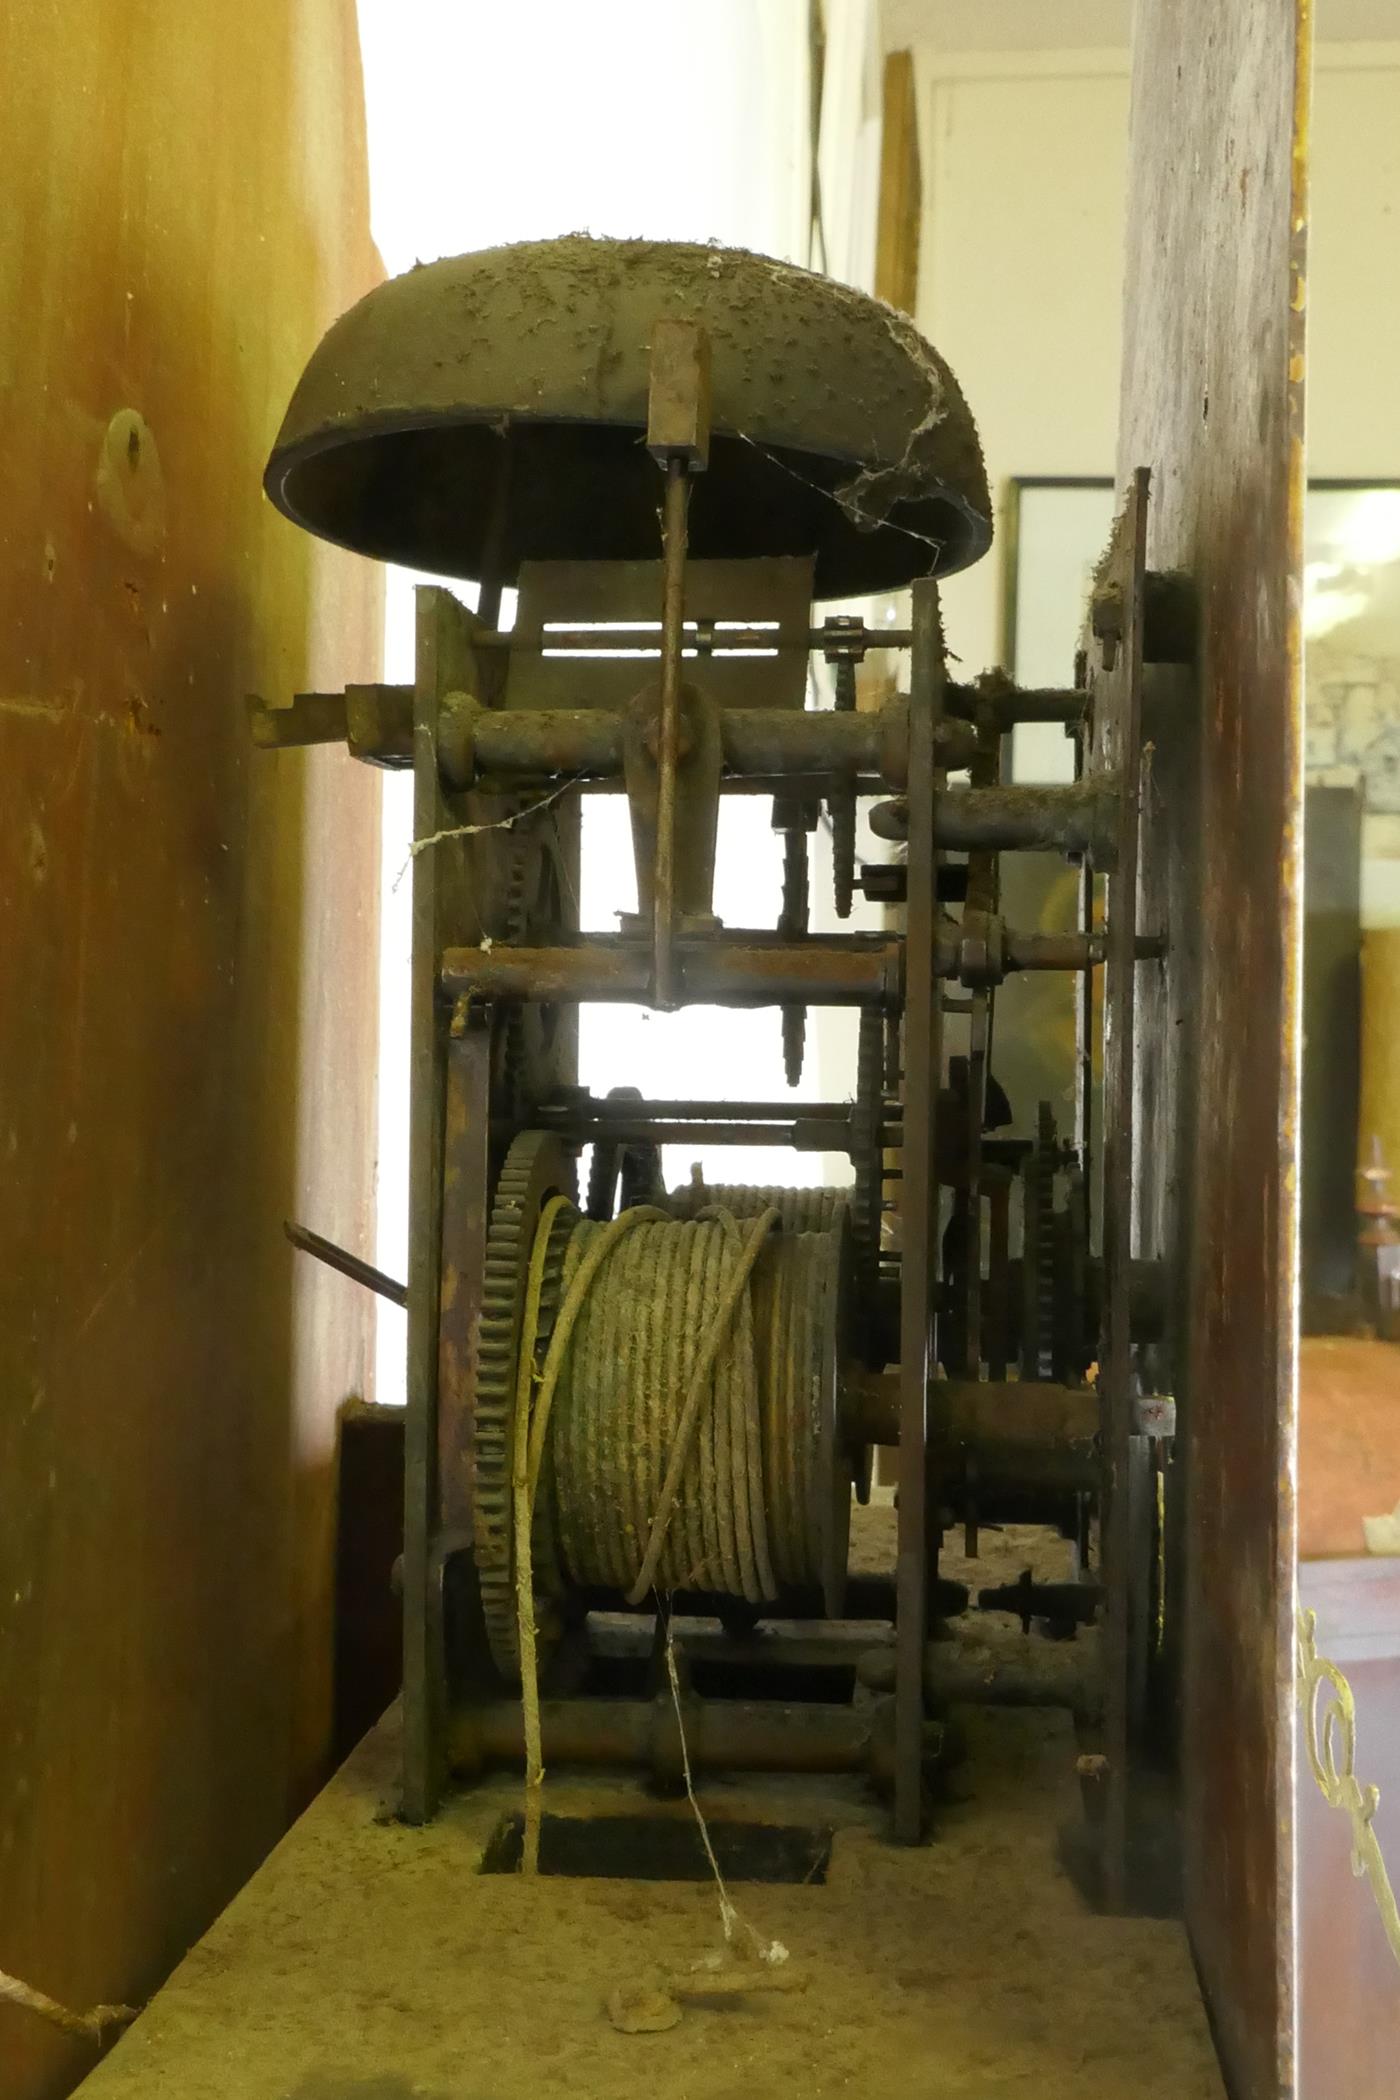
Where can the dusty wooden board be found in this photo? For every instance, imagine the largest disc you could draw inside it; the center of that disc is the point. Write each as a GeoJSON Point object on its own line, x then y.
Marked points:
{"type": "Point", "coordinates": [1212, 405]}
{"type": "Point", "coordinates": [187, 982]}
{"type": "Point", "coordinates": [368, 1961]}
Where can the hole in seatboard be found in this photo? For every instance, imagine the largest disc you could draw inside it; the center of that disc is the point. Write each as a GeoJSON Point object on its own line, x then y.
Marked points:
{"type": "Point", "coordinates": [663, 1848]}
{"type": "Point", "coordinates": [630, 1677]}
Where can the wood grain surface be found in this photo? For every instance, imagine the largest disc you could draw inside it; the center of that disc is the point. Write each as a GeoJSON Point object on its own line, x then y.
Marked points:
{"type": "Point", "coordinates": [187, 977]}
{"type": "Point", "coordinates": [1212, 404]}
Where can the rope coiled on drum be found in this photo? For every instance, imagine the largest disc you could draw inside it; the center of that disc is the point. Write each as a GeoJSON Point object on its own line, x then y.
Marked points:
{"type": "Point", "coordinates": [647, 1407]}
{"type": "Point", "coordinates": [673, 1423]}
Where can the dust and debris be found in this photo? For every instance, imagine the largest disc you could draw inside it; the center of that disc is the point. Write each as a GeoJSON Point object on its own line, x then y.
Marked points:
{"type": "Point", "coordinates": [368, 1958]}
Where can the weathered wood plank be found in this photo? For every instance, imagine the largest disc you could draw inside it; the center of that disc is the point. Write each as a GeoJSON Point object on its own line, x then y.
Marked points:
{"type": "Point", "coordinates": [1212, 403]}
{"type": "Point", "coordinates": [187, 976]}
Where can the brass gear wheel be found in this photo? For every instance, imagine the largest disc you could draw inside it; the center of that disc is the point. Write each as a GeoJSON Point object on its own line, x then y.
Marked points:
{"type": "Point", "coordinates": [536, 1168]}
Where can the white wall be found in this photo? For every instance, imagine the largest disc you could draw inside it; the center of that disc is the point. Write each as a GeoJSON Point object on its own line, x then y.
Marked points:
{"type": "Point", "coordinates": [674, 119]}
{"type": "Point", "coordinates": [1022, 272]}
{"type": "Point", "coordinates": [1021, 283]}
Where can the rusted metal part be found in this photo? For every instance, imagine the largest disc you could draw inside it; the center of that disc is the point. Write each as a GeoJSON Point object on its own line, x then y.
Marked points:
{"type": "Point", "coordinates": [794, 817]}
{"type": "Point", "coordinates": [984, 954]}
{"type": "Point", "coordinates": [678, 395]}
{"type": "Point", "coordinates": [308, 718]}
{"type": "Point", "coordinates": [841, 801]}
{"type": "Point", "coordinates": [1069, 1604]}
{"type": "Point", "coordinates": [619, 1110]}
{"type": "Point", "coordinates": [923, 1076]}
{"type": "Point", "coordinates": [481, 743]}
{"type": "Point", "coordinates": [704, 638]}
{"type": "Point", "coordinates": [717, 1735]}
{"type": "Point", "coordinates": [530, 737]}
{"type": "Point", "coordinates": [1017, 1416]}
{"type": "Point", "coordinates": [348, 1264]}
{"type": "Point", "coordinates": [586, 633]}
{"type": "Point", "coordinates": [663, 902]}
{"type": "Point", "coordinates": [1077, 819]}
{"type": "Point", "coordinates": [375, 722]}
{"type": "Point", "coordinates": [1063, 1674]}
{"type": "Point", "coordinates": [755, 969]}
{"type": "Point", "coordinates": [391, 440]}
{"type": "Point", "coordinates": [694, 809]}
{"type": "Point", "coordinates": [1115, 674]}
{"type": "Point", "coordinates": [832, 1136]}
{"type": "Point", "coordinates": [831, 970]}
{"type": "Point", "coordinates": [1001, 707]}
{"type": "Point", "coordinates": [466, 1184]}
{"type": "Point", "coordinates": [997, 704]}
{"type": "Point", "coordinates": [981, 900]}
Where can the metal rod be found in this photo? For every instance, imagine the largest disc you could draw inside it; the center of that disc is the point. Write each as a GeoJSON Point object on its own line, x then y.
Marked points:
{"type": "Point", "coordinates": [755, 742]}
{"type": "Point", "coordinates": [1015, 1418]}
{"type": "Point", "coordinates": [346, 1263]}
{"type": "Point", "coordinates": [1055, 1674]}
{"type": "Point", "coordinates": [753, 970]}
{"type": "Point", "coordinates": [643, 638]}
{"type": "Point", "coordinates": [557, 1114]}
{"type": "Point", "coordinates": [673, 548]}
{"type": "Point", "coordinates": [1021, 704]}
{"type": "Point", "coordinates": [1068, 819]}
{"type": "Point", "coordinates": [719, 1735]}
{"type": "Point", "coordinates": [805, 1136]}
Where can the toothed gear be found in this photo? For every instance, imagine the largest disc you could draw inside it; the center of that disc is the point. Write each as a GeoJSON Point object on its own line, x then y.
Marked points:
{"type": "Point", "coordinates": [868, 1160]}
{"type": "Point", "coordinates": [841, 806]}
{"type": "Point", "coordinates": [792, 924]}
{"type": "Point", "coordinates": [530, 911]}
{"type": "Point", "coordinates": [625, 1173]}
{"type": "Point", "coordinates": [536, 1168]}
{"type": "Point", "coordinates": [1039, 1250]}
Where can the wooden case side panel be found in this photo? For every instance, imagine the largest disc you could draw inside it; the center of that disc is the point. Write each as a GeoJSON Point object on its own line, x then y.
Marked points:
{"type": "Point", "coordinates": [188, 977]}
{"type": "Point", "coordinates": [1212, 404]}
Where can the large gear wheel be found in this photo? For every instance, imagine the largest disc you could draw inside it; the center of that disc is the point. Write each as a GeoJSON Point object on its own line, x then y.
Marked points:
{"type": "Point", "coordinates": [530, 911]}
{"type": "Point", "coordinates": [536, 1168]}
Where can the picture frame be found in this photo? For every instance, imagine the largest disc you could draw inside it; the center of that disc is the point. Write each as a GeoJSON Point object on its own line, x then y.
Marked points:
{"type": "Point", "coordinates": [1056, 527]}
